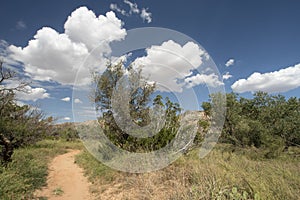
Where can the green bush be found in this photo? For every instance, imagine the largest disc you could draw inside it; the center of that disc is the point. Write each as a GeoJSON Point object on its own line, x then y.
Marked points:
{"type": "Point", "coordinates": [66, 131]}
{"type": "Point", "coordinates": [266, 121]}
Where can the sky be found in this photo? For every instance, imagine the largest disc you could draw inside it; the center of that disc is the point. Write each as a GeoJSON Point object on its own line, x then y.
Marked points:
{"type": "Point", "coordinates": [255, 45]}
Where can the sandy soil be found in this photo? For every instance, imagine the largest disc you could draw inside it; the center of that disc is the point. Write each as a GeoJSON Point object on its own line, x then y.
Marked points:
{"type": "Point", "coordinates": [66, 179]}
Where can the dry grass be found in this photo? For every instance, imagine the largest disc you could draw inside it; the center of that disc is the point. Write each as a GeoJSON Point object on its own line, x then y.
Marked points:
{"type": "Point", "coordinates": [220, 175]}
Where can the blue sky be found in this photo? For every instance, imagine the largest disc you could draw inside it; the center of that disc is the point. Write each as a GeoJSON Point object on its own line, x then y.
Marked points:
{"type": "Point", "coordinates": [261, 37]}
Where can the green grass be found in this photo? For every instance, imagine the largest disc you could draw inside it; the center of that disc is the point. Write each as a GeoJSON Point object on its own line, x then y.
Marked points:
{"type": "Point", "coordinates": [97, 173]}
{"type": "Point", "coordinates": [94, 169]}
{"type": "Point", "coordinates": [28, 169]}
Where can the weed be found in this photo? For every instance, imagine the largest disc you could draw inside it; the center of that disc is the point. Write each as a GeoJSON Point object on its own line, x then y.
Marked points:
{"type": "Point", "coordinates": [58, 191]}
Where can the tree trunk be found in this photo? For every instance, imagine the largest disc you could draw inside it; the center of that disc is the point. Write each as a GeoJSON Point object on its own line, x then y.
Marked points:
{"type": "Point", "coordinates": [7, 149]}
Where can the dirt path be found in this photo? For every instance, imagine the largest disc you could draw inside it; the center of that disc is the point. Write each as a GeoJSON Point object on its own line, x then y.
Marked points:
{"type": "Point", "coordinates": [65, 180]}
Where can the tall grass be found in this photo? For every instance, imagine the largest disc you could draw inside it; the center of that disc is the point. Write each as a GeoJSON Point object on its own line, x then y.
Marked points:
{"type": "Point", "coordinates": [226, 173]}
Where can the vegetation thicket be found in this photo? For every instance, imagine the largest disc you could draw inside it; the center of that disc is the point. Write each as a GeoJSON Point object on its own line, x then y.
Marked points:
{"type": "Point", "coordinates": [269, 122]}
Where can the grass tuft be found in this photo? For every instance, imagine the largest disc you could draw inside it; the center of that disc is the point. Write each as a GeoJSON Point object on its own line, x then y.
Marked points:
{"type": "Point", "coordinates": [58, 191]}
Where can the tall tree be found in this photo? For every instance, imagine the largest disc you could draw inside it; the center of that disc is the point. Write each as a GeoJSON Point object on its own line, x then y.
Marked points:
{"type": "Point", "coordinates": [118, 87]}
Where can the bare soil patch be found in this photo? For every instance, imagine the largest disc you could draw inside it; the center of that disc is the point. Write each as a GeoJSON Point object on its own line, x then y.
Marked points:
{"type": "Point", "coordinates": [66, 180]}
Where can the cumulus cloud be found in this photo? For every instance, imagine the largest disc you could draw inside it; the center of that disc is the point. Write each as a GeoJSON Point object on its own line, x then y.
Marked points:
{"type": "Point", "coordinates": [83, 26]}
{"type": "Point", "coordinates": [226, 76]}
{"type": "Point", "coordinates": [77, 101]}
{"type": "Point", "coordinates": [211, 80]}
{"type": "Point", "coordinates": [32, 94]}
{"type": "Point", "coordinates": [27, 93]}
{"type": "Point", "coordinates": [66, 99]}
{"type": "Point", "coordinates": [67, 118]}
{"type": "Point", "coordinates": [146, 16]}
{"type": "Point", "coordinates": [278, 81]}
{"type": "Point", "coordinates": [230, 62]}
{"type": "Point", "coordinates": [53, 56]}
{"type": "Point", "coordinates": [170, 63]}
{"type": "Point", "coordinates": [50, 56]}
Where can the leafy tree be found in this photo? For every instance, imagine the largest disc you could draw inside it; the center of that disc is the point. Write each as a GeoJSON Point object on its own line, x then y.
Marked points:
{"type": "Point", "coordinates": [206, 108]}
{"type": "Point", "coordinates": [291, 132]}
{"type": "Point", "coordinates": [140, 92]}
{"type": "Point", "coordinates": [19, 125]}
{"type": "Point", "coordinates": [105, 85]}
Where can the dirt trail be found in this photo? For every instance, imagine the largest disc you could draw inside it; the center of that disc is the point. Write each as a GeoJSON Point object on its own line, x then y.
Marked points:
{"type": "Point", "coordinates": [66, 180]}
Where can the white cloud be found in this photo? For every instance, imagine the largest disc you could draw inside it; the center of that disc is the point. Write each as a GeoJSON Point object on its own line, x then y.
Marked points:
{"type": "Point", "coordinates": [278, 81]}
{"type": "Point", "coordinates": [20, 103]}
{"type": "Point", "coordinates": [53, 56]}
{"type": "Point", "coordinates": [116, 8]}
{"type": "Point", "coordinates": [26, 93]}
{"type": "Point", "coordinates": [32, 94]}
{"type": "Point", "coordinates": [230, 62]}
{"type": "Point", "coordinates": [143, 13]}
{"type": "Point", "coordinates": [83, 26]}
{"type": "Point", "coordinates": [50, 56]}
{"type": "Point", "coordinates": [113, 6]}
{"type": "Point", "coordinates": [169, 63]}
{"type": "Point", "coordinates": [211, 80]}
{"type": "Point", "coordinates": [21, 25]}
{"type": "Point", "coordinates": [123, 58]}
{"type": "Point", "coordinates": [67, 118]}
{"type": "Point", "coordinates": [4, 56]}
{"type": "Point", "coordinates": [66, 99]}
{"type": "Point", "coordinates": [146, 16]}
{"type": "Point", "coordinates": [226, 76]}
{"type": "Point", "coordinates": [206, 56]}
{"type": "Point", "coordinates": [77, 101]}
{"type": "Point", "coordinates": [133, 7]}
